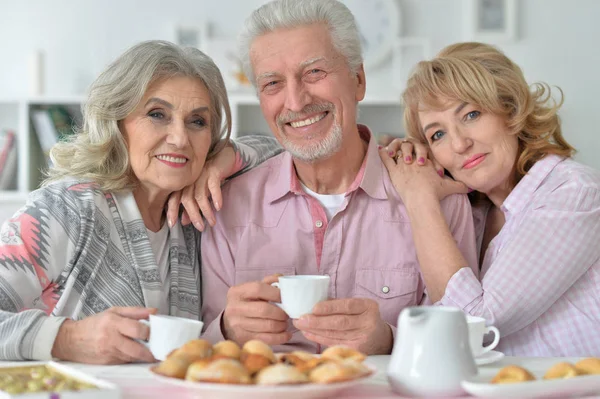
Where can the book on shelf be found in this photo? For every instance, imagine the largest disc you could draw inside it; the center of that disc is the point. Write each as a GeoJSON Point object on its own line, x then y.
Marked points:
{"type": "Point", "coordinates": [51, 124]}
{"type": "Point", "coordinates": [8, 160]}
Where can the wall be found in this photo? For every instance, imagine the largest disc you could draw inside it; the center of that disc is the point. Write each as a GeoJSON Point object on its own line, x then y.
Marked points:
{"type": "Point", "coordinates": [558, 43]}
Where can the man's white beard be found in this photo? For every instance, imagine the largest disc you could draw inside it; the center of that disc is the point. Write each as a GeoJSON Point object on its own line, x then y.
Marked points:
{"type": "Point", "coordinates": [315, 151]}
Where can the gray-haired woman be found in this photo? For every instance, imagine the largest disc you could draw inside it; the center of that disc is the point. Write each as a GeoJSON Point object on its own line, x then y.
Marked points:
{"type": "Point", "coordinates": [93, 251]}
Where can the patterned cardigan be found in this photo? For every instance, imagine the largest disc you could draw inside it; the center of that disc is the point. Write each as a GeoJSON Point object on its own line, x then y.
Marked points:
{"type": "Point", "coordinates": [73, 251]}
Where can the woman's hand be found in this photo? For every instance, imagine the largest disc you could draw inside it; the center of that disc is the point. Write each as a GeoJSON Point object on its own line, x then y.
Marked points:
{"type": "Point", "coordinates": [105, 338]}
{"type": "Point", "coordinates": [409, 150]}
{"type": "Point", "coordinates": [414, 182]}
{"type": "Point", "coordinates": [196, 199]}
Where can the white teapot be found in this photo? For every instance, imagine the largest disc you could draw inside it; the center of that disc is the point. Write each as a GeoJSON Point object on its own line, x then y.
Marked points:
{"type": "Point", "coordinates": [431, 354]}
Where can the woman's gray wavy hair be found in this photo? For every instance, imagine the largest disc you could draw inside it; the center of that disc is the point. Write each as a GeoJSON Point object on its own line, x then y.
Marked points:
{"type": "Point", "coordinates": [286, 14]}
{"type": "Point", "coordinates": [98, 152]}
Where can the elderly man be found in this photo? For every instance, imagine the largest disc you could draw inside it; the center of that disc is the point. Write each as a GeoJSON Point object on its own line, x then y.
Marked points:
{"type": "Point", "coordinates": [325, 206]}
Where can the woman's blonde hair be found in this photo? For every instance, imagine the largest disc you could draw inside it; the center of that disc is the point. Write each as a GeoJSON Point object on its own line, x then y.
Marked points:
{"type": "Point", "coordinates": [480, 74]}
{"type": "Point", "coordinates": [97, 151]}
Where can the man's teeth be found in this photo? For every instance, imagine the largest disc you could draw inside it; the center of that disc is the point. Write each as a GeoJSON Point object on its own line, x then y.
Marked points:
{"type": "Point", "coordinates": [308, 121]}
{"type": "Point", "coordinates": [171, 159]}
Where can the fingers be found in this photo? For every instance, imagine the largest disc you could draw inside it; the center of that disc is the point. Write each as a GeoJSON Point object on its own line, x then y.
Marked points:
{"type": "Point", "coordinates": [254, 291]}
{"type": "Point", "coordinates": [421, 153]}
{"type": "Point", "coordinates": [439, 168]}
{"type": "Point", "coordinates": [133, 329]}
{"type": "Point", "coordinates": [173, 207]}
{"type": "Point", "coordinates": [262, 325]}
{"type": "Point", "coordinates": [406, 151]}
{"type": "Point", "coordinates": [185, 218]}
{"type": "Point", "coordinates": [273, 339]}
{"type": "Point", "coordinates": [191, 207]}
{"type": "Point", "coordinates": [454, 187]}
{"type": "Point", "coordinates": [214, 187]}
{"type": "Point", "coordinates": [237, 311]}
{"type": "Point", "coordinates": [329, 323]}
{"type": "Point", "coordinates": [130, 351]}
{"type": "Point", "coordinates": [273, 278]}
{"type": "Point", "coordinates": [331, 341]}
{"type": "Point", "coordinates": [346, 306]}
{"type": "Point", "coordinates": [386, 159]}
{"type": "Point", "coordinates": [132, 312]}
{"type": "Point", "coordinates": [393, 147]}
{"type": "Point", "coordinates": [203, 201]}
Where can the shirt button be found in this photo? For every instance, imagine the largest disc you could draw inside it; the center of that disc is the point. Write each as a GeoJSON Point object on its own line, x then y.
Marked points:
{"type": "Point", "coordinates": [385, 289]}
{"type": "Point", "coordinates": [319, 224]}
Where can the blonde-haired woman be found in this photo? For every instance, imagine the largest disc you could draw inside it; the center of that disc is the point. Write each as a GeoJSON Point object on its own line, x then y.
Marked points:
{"type": "Point", "coordinates": [92, 251]}
{"type": "Point", "coordinates": [536, 211]}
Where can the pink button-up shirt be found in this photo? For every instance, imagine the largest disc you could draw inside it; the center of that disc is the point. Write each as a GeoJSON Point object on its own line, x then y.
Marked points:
{"type": "Point", "coordinates": [540, 278]}
{"type": "Point", "coordinates": [268, 225]}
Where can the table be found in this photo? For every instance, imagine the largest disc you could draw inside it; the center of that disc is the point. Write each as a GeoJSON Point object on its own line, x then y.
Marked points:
{"type": "Point", "coordinates": [136, 382]}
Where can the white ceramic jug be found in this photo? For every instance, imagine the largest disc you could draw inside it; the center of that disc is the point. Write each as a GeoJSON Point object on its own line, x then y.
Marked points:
{"type": "Point", "coordinates": [431, 354]}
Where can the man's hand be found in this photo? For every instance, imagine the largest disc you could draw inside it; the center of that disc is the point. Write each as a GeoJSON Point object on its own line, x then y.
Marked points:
{"type": "Point", "coordinates": [105, 338]}
{"type": "Point", "coordinates": [354, 322]}
{"type": "Point", "coordinates": [249, 315]}
{"type": "Point", "coordinates": [199, 198]}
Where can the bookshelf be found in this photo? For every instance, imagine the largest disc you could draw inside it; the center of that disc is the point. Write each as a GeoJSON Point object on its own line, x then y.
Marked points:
{"type": "Point", "coordinates": [382, 114]}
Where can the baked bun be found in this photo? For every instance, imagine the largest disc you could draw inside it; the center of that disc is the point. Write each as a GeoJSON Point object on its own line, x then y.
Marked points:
{"type": "Point", "coordinates": [561, 370]}
{"type": "Point", "coordinates": [174, 366]}
{"type": "Point", "coordinates": [195, 349]}
{"type": "Point", "coordinates": [512, 374]}
{"type": "Point", "coordinates": [591, 365]}
{"type": "Point", "coordinates": [280, 374]}
{"type": "Point", "coordinates": [225, 371]}
{"type": "Point", "coordinates": [341, 352]}
{"type": "Point", "coordinates": [336, 371]}
{"type": "Point", "coordinates": [301, 360]}
{"type": "Point", "coordinates": [256, 355]}
{"type": "Point", "coordinates": [228, 349]}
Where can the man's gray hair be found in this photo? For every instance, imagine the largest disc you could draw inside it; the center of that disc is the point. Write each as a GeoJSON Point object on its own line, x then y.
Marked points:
{"type": "Point", "coordinates": [286, 14]}
{"type": "Point", "coordinates": [98, 151]}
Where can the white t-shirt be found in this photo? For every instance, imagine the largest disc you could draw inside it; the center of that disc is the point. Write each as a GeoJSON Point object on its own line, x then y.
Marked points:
{"type": "Point", "coordinates": [159, 242]}
{"type": "Point", "coordinates": [331, 202]}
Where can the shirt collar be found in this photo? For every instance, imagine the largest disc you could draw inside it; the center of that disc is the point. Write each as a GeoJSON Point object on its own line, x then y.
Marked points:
{"type": "Point", "coordinates": [369, 178]}
{"type": "Point", "coordinates": [522, 193]}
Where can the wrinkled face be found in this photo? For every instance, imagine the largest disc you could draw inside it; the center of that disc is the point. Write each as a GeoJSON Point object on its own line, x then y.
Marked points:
{"type": "Point", "coordinates": [475, 146]}
{"type": "Point", "coordinates": [307, 93]}
{"type": "Point", "coordinates": [168, 135]}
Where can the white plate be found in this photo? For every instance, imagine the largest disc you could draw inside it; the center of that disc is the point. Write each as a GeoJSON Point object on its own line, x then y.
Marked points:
{"type": "Point", "coordinates": [489, 357]}
{"type": "Point", "coordinates": [232, 391]}
{"type": "Point", "coordinates": [570, 387]}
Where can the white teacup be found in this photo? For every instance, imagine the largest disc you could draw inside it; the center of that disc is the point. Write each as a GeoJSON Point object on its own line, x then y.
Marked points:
{"type": "Point", "coordinates": [299, 294]}
{"type": "Point", "coordinates": [168, 333]}
{"type": "Point", "coordinates": [477, 330]}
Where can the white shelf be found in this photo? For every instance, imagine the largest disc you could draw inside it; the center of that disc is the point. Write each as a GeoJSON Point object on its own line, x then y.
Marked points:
{"type": "Point", "coordinates": [383, 114]}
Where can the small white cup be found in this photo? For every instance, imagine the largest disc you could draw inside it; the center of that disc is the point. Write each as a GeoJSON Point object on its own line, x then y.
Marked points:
{"type": "Point", "coordinates": [477, 330]}
{"type": "Point", "coordinates": [299, 294]}
{"type": "Point", "coordinates": [168, 333]}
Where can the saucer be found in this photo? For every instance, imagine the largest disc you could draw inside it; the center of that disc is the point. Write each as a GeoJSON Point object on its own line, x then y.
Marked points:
{"type": "Point", "coordinates": [488, 357]}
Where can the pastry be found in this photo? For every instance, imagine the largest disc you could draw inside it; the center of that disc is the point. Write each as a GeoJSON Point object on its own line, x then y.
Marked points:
{"type": "Point", "coordinates": [303, 361]}
{"type": "Point", "coordinates": [280, 374]}
{"type": "Point", "coordinates": [340, 352]}
{"type": "Point", "coordinates": [591, 365]}
{"type": "Point", "coordinates": [257, 355]}
{"type": "Point", "coordinates": [195, 349]}
{"type": "Point", "coordinates": [225, 371]}
{"type": "Point", "coordinates": [336, 371]}
{"type": "Point", "coordinates": [511, 374]}
{"type": "Point", "coordinates": [228, 349]}
{"type": "Point", "coordinates": [174, 366]}
{"type": "Point", "coordinates": [561, 370]}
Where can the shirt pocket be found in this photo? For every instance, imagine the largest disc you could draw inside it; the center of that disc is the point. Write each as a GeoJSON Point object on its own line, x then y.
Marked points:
{"type": "Point", "coordinates": [258, 273]}
{"type": "Point", "coordinates": [392, 289]}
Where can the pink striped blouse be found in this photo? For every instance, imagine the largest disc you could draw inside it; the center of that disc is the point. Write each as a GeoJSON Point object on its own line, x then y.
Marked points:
{"type": "Point", "coordinates": [540, 277]}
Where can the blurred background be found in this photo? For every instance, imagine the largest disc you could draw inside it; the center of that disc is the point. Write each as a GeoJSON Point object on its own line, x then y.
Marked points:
{"type": "Point", "coordinates": [53, 49]}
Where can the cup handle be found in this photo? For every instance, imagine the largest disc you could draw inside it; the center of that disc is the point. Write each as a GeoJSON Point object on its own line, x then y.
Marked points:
{"type": "Point", "coordinates": [276, 285]}
{"type": "Point", "coordinates": [496, 339]}
{"type": "Point", "coordinates": [145, 343]}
